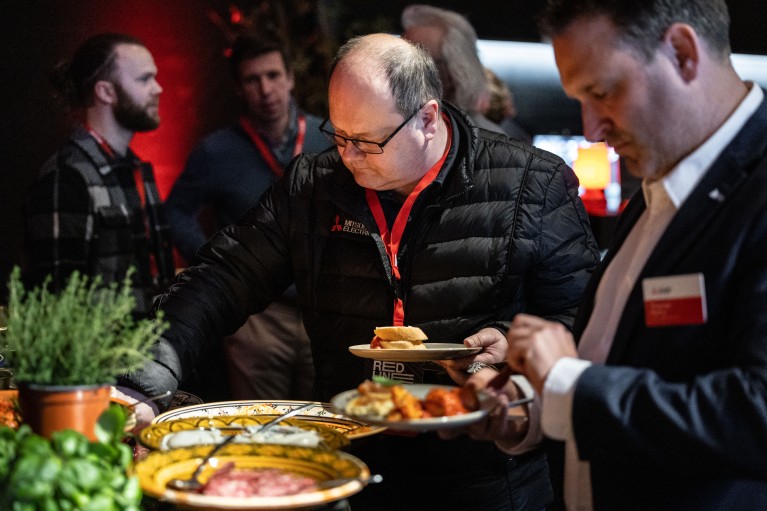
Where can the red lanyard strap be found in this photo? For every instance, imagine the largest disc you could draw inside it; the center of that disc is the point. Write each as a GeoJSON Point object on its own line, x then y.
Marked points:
{"type": "Point", "coordinates": [263, 147]}
{"type": "Point", "coordinates": [391, 239]}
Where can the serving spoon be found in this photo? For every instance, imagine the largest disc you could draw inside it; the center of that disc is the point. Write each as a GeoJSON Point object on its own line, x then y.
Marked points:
{"type": "Point", "coordinates": [332, 483]}
{"type": "Point", "coordinates": [194, 484]}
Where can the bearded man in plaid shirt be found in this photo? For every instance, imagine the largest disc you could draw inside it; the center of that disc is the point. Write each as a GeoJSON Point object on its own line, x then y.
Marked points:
{"type": "Point", "coordinates": [94, 207]}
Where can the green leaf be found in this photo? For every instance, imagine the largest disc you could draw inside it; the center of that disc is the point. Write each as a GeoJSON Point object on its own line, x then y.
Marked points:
{"type": "Point", "coordinates": [383, 380]}
{"type": "Point", "coordinates": [82, 334]}
{"type": "Point", "coordinates": [111, 424]}
{"type": "Point", "coordinates": [69, 443]}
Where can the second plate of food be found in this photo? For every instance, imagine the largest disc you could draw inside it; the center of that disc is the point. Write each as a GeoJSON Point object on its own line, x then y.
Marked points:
{"type": "Point", "coordinates": [341, 401]}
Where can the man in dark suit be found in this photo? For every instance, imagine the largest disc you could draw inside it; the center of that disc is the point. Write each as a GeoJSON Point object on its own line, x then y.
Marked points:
{"type": "Point", "coordinates": [663, 403]}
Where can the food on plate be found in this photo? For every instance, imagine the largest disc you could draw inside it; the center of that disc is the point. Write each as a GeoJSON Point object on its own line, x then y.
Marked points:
{"type": "Point", "coordinates": [259, 482]}
{"type": "Point", "coordinates": [398, 338]}
{"type": "Point", "coordinates": [8, 414]}
{"type": "Point", "coordinates": [259, 409]}
{"type": "Point", "coordinates": [395, 402]}
{"type": "Point", "coordinates": [286, 435]}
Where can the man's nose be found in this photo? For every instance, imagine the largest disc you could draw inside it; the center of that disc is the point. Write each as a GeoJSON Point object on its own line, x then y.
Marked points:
{"type": "Point", "coordinates": [594, 123]}
{"type": "Point", "coordinates": [349, 151]}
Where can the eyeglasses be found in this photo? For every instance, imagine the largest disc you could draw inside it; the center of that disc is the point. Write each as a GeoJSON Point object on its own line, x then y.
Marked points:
{"type": "Point", "coordinates": [365, 146]}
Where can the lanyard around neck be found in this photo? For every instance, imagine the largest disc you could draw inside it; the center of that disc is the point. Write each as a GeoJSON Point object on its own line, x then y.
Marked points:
{"type": "Point", "coordinates": [102, 143]}
{"type": "Point", "coordinates": [391, 239]}
{"type": "Point", "coordinates": [263, 148]}
{"type": "Point", "coordinates": [137, 175]}
{"type": "Point", "coordinates": [138, 179]}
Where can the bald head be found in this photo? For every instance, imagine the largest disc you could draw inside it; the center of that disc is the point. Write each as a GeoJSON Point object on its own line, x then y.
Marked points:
{"type": "Point", "coordinates": [406, 69]}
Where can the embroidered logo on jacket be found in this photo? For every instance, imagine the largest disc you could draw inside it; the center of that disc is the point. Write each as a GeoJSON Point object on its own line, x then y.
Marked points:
{"type": "Point", "coordinates": [349, 226]}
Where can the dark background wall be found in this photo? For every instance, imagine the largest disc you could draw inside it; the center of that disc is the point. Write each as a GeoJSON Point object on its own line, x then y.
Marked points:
{"type": "Point", "coordinates": [188, 48]}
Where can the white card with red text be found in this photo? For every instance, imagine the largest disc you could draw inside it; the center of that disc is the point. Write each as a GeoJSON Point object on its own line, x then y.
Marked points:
{"type": "Point", "coordinates": [675, 300]}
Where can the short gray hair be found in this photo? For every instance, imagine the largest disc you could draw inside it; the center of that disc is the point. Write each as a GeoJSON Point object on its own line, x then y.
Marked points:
{"type": "Point", "coordinates": [459, 52]}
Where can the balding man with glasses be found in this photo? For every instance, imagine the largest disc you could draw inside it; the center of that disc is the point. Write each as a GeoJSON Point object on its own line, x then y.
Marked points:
{"type": "Point", "coordinates": [416, 217]}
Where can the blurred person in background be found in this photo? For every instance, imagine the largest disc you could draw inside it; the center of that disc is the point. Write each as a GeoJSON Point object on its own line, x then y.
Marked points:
{"type": "Point", "coordinates": [501, 108]}
{"type": "Point", "coordinates": [94, 207]}
{"type": "Point", "coordinates": [229, 171]}
{"type": "Point", "coordinates": [452, 42]}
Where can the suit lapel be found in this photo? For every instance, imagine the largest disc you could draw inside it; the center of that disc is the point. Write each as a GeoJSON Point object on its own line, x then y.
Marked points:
{"type": "Point", "coordinates": [714, 192]}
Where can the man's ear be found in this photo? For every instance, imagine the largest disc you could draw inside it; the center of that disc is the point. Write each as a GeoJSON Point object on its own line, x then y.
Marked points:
{"type": "Point", "coordinates": [104, 92]}
{"type": "Point", "coordinates": [430, 116]}
{"type": "Point", "coordinates": [684, 48]}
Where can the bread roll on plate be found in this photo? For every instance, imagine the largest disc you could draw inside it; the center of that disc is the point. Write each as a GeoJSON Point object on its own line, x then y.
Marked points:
{"type": "Point", "coordinates": [398, 338]}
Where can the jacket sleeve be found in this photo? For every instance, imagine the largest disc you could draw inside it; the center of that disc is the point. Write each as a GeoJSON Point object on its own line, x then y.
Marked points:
{"type": "Point", "coordinates": [240, 270]}
{"type": "Point", "coordinates": [567, 253]}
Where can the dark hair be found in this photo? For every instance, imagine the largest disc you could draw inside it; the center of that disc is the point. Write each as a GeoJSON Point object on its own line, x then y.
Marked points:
{"type": "Point", "coordinates": [248, 47]}
{"type": "Point", "coordinates": [412, 74]}
{"type": "Point", "coordinates": [642, 23]}
{"type": "Point", "coordinates": [94, 60]}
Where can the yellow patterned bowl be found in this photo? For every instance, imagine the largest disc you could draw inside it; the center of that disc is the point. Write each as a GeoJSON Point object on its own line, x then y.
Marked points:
{"type": "Point", "coordinates": [159, 467]}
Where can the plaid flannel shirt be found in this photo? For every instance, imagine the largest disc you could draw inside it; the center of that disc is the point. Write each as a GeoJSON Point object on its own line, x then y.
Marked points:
{"type": "Point", "coordinates": [84, 213]}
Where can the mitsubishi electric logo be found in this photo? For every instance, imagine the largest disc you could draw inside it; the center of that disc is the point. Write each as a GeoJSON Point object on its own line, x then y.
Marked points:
{"type": "Point", "coordinates": [349, 226]}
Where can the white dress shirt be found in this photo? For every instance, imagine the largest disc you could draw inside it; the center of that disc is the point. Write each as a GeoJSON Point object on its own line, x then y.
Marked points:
{"type": "Point", "coordinates": [663, 198]}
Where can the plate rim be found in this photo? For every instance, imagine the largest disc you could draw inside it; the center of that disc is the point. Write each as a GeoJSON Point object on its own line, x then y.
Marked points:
{"type": "Point", "coordinates": [400, 355]}
{"type": "Point", "coordinates": [370, 429]}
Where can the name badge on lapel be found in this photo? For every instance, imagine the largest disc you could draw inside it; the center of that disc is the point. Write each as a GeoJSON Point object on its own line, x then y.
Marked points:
{"type": "Point", "coordinates": [675, 301]}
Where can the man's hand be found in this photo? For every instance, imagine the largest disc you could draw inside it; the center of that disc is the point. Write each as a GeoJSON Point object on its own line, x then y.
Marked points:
{"type": "Point", "coordinates": [493, 344]}
{"type": "Point", "coordinates": [497, 425]}
{"type": "Point", "coordinates": [535, 345]}
{"type": "Point", "coordinates": [145, 411]}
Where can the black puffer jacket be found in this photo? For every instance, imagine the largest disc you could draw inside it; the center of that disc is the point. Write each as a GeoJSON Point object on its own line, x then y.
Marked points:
{"type": "Point", "coordinates": [500, 231]}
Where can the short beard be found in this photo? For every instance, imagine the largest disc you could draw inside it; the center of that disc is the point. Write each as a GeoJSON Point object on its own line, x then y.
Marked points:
{"type": "Point", "coordinates": [132, 116]}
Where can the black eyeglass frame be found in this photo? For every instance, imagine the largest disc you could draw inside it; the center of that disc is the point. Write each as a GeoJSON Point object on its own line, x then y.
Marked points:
{"type": "Point", "coordinates": [334, 137]}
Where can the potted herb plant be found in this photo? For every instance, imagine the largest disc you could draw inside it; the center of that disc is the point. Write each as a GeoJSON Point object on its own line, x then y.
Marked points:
{"type": "Point", "coordinates": [66, 348]}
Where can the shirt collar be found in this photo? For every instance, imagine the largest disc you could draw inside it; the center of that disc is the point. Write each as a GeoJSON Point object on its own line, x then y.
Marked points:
{"type": "Point", "coordinates": [680, 182]}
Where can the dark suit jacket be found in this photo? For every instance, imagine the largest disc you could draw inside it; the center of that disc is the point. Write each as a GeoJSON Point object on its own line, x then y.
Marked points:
{"type": "Point", "coordinates": [677, 418]}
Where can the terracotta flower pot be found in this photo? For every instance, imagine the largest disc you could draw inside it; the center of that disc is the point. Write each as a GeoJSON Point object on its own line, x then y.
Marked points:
{"type": "Point", "coordinates": [49, 408]}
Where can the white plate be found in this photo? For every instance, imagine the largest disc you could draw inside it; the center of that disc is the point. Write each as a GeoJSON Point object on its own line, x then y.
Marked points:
{"type": "Point", "coordinates": [433, 351]}
{"type": "Point", "coordinates": [322, 413]}
{"type": "Point", "coordinates": [419, 390]}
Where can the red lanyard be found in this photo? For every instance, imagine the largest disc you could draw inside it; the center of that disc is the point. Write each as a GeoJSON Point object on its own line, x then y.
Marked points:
{"type": "Point", "coordinates": [137, 177]}
{"type": "Point", "coordinates": [263, 148]}
{"type": "Point", "coordinates": [392, 239]}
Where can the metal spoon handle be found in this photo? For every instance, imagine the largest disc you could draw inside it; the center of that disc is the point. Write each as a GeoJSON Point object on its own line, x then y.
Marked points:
{"type": "Point", "coordinates": [520, 402]}
{"type": "Point", "coordinates": [332, 483]}
{"type": "Point", "coordinates": [150, 398]}
{"type": "Point", "coordinates": [284, 416]}
{"type": "Point", "coordinates": [212, 453]}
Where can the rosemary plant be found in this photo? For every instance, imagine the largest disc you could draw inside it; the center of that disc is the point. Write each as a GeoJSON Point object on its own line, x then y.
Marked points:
{"type": "Point", "coordinates": [85, 334]}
